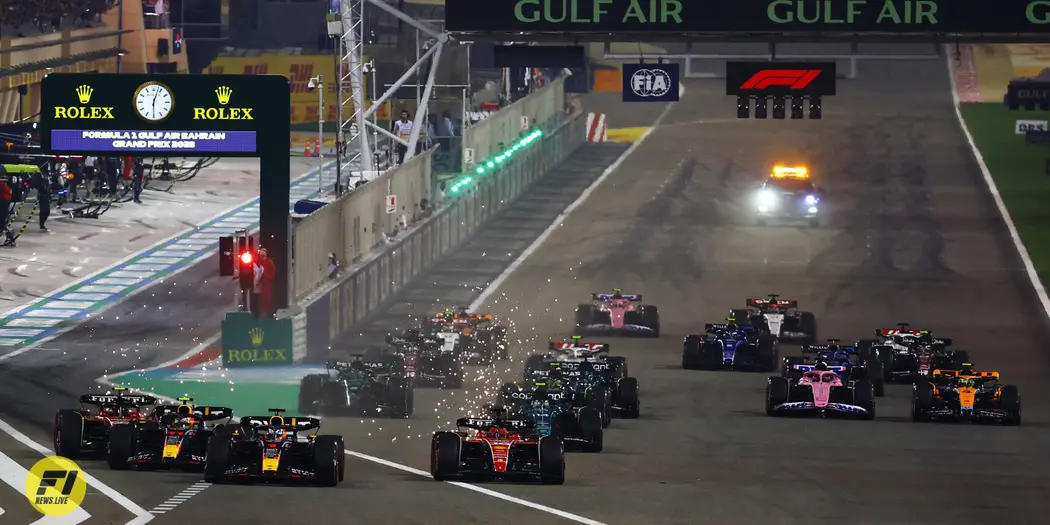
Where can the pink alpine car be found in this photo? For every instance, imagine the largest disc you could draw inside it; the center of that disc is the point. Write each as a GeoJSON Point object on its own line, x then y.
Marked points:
{"type": "Point", "coordinates": [618, 313]}
{"type": "Point", "coordinates": [820, 392]}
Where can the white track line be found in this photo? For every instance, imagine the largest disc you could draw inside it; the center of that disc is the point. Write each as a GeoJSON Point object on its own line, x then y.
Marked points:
{"type": "Point", "coordinates": [141, 516]}
{"type": "Point", "coordinates": [180, 498]}
{"type": "Point", "coordinates": [1029, 267]}
{"type": "Point", "coordinates": [480, 490]}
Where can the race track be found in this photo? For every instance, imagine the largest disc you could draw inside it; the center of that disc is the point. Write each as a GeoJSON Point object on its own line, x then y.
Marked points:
{"type": "Point", "coordinates": [911, 234]}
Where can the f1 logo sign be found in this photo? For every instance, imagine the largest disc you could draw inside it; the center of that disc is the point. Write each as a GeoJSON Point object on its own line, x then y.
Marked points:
{"type": "Point", "coordinates": [793, 79]}
{"type": "Point", "coordinates": [780, 79]}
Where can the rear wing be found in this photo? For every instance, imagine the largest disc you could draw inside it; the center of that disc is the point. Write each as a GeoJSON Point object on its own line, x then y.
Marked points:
{"type": "Point", "coordinates": [816, 349]}
{"type": "Point", "coordinates": [758, 302]}
{"type": "Point", "coordinates": [716, 327]}
{"type": "Point", "coordinates": [577, 368]}
{"type": "Point", "coordinates": [298, 423]}
{"type": "Point", "coordinates": [209, 413]}
{"type": "Point", "coordinates": [593, 348]}
{"type": "Point", "coordinates": [485, 424]}
{"type": "Point", "coordinates": [609, 296]}
{"type": "Point", "coordinates": [387, 365]}
{"type": "Point", "coordinates": [120, 400]}
{"type": "Point", "coordinates": [960, 373]}
{"type": "Point", "coordinates": [887, 332]}
{"type": "Point", "coordinates": [413, 339]}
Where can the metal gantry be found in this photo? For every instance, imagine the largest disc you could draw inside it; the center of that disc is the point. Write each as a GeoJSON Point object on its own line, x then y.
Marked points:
{"type": "Point", "coordinates": [353, 115]}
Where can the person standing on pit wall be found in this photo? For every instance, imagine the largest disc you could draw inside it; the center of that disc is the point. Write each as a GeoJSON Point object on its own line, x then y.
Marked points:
{"type": "Point", "coordinates": [43, 198]}
{"type": "Point", "coordinates": [265, 271]}
{"type": "Point", "coordinates": [137, 173]}
{"type": "Point", "coordinates": [403, 129]}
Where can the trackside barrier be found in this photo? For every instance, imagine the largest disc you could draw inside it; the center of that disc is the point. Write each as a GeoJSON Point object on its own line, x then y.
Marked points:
{"type": "Point", "coordinates": [332, 315]}
{"type": "Point", "coordinates": [503, 128]}
{"type": "Point", "coordinates": [355, 223]}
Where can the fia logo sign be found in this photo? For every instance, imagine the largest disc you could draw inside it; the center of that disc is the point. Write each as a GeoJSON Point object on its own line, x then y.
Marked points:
{"type": "Point", "coordinates": [650, 82]}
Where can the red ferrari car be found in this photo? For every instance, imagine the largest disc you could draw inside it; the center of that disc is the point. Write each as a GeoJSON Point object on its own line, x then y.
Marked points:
{"type": "Point", "coordinates": [80, 430]}
{"type": "Point", "coordinates": [497, 449]}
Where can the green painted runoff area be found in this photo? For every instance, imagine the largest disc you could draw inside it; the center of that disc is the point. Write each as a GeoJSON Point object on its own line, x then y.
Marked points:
{"type": "Point", "coordinates": [1019, 171]}
{"type": "Point", "coordinates": [246, 399]}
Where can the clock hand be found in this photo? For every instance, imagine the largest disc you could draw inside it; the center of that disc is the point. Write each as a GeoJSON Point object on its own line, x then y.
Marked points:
{"type": "Point", "coordinates": [155, 93]}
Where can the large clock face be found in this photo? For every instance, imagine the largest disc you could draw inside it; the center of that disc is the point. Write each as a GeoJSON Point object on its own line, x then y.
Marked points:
{"type": "Point", "coordinates": [154, 101]}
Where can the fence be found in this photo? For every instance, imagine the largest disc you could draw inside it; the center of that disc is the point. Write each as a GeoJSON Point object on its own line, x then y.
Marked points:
{"type": "Point", "coordinates": [356, 222]}
{"type": "Point", "coordinates": [332, 317]}
{"type": "Point", "coordinates": [503, 128]}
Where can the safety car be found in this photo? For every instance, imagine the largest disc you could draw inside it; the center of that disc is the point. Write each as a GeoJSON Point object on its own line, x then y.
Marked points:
{"type": "Point", "coordinates": [788, 194]}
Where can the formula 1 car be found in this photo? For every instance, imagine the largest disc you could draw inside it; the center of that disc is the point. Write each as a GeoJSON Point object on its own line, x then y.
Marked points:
{"type": "Point", "coordinates": [178, 438]}
{"type": "Point", "coordinates": [373, 384]}
{"type": "Point", "coordinates": [842, 359]}
{"type": "Point", "coordinates": [729, 346]}
{"type": "Point", "coordinates": [275, 448]}
{"type": "Point", "coordinates": [907, 354]}
{"type": "Point", "coordinates": [574, 350]}
{"type": "Point", "coordinates": [79, 430]}
{"type": "Point", "coordinates": [550, 407]}
{"type": "Point", "coordinates": [474, 335]}
{"type": "Point", "coordinates": [618, 313]}
{"type": "Point", "coordinates": [965, 395]}
{"type": "Point", "coordinates": [497, 448]}
{"type": "Point", "coordinates": [427, 362]}
{"type": "Point", "coordinates": [596, 381]}
{"type": "Point", "coordinates": [820, 392]}
{"type": "Point", "coordinates": [789, 194]}
{"type": "Point", "coordinates": [781, 317]}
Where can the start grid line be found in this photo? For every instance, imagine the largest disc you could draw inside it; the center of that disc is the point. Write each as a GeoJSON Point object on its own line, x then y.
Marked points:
{"type": "Point", "coordinates": [72, 304]}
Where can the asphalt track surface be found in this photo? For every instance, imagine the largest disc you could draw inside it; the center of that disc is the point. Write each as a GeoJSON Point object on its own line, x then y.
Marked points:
{"type": "Point", "coordinates": [910, 234]}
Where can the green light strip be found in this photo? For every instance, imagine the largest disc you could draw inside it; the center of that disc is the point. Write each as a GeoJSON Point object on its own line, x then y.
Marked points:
{"type": "Point", "coordinates": [492, 163]}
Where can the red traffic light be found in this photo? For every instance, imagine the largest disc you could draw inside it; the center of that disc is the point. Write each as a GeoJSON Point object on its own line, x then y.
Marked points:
{"type": "Point", "coordinates": [246, 258]}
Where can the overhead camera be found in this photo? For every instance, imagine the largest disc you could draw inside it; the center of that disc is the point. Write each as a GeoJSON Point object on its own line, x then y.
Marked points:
{"type": "Point", "coordinates": [312, 84]}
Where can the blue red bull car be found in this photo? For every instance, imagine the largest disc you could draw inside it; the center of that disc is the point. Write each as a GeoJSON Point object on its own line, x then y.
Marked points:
{"type": "Point", "coordinates": [845, 360]}
{"type": "Point", "coordinates": [730, 346]}
{"type": "Point", "coordinates": [618, 313]}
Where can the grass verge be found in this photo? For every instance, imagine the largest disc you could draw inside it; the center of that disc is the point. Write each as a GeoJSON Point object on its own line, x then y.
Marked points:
{"type": "Point", "coordinates": [1019, 171]}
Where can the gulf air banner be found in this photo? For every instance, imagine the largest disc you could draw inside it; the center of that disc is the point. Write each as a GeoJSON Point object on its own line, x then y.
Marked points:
{"type": "Point", "coordinates": [299, 70]}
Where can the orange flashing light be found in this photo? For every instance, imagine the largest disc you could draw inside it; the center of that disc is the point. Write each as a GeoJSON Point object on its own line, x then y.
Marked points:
{"type": "Point", "coordinates": [793, 172]}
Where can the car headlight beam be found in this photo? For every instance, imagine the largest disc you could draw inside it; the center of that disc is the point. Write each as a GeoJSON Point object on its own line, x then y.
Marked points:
{"type": "Point", "coordinates": [811, 200]}
{"type": "Point", "coordinates": [766, 200]}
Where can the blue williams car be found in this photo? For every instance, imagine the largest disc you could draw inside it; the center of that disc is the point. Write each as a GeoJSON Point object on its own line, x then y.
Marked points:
{"type": "Point", "coordinates": [846, 360]}
{"type": "Point", "coordinates": [730, 346]}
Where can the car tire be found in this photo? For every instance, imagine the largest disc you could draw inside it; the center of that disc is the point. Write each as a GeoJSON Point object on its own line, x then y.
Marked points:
{"type": "Point", "coordinates": [590, 424]}
{"type": "Point", "coordinates": [630, 406]}
{"type": "Point", "coordinates": [444, 456]}
{"type": "Point", "coordinates": [328, 460]}
{"type": "Point", "coordinates": [1010, 398]}
{"type": "Point", "coordinates": [69, 433]}
{"type": "Point", "coordinates": [402, 397]}
{"type": "Point", "coordinates": [120, 446]}
{"type": "Point", "coordinates": [310, 388]}
{"type": "Point", "coordinates": [778, 390]}
{"type": "Point", "coordinates": [691, 352]}
{"type": "Point", "coordinates": [921, 400]}
{"type": "Point", "coordinates": [584, 315]}
{"type": "Point", "coordinates": [218, 458]}
{"type": "Point", "coordinates": [552, 461]}
{"type": "Point", "coordinates": [864, 397]}
{"type": "Point", "coordinates": [651, 319]}
{"type": "Point", "coordinates": [599, 398]}
{"type": "Point", "coordinates": [710, 356]}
